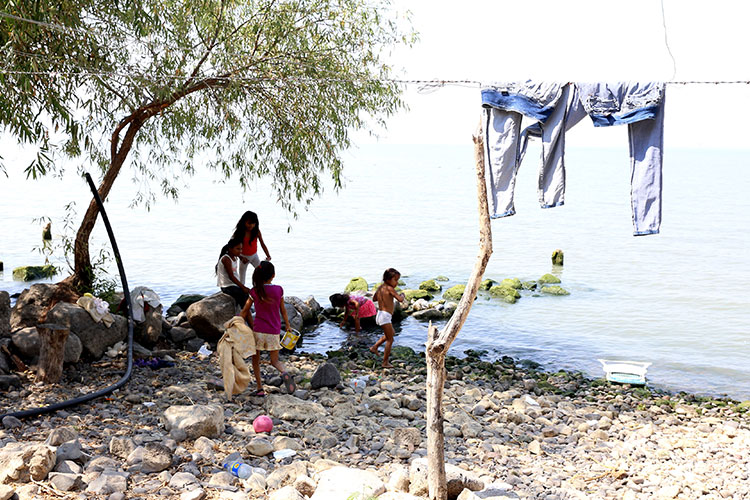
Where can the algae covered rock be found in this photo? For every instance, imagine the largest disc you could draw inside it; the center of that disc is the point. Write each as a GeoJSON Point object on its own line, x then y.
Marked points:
{"type": "Point", "coordinates": [486, 284]}
{"type": "Point", "coordinates": [549, 278]}
{"type": "Point", "coordinates": [511, 283]}
{"type": "Point", "coordinates": [529, 285]}
{"type": "Point", "coordinates": [455, 292]}
{"type": "Point", "coordinates": [557, 257]}
{"type": "Point", "coordinates": [417, 294]}
{"type": "Point", "coordinates": [29, 273]}
{"type": "Point", "coordinates": [554, 290]}
{"type": "Point", "coordinates": [358, 284]}
{"type": "Point", "coordinates": [441, 278]}
{"type": "Point", "coordinates": [506, 293]}
{"type": "Point", "coordinates": [430, 286]}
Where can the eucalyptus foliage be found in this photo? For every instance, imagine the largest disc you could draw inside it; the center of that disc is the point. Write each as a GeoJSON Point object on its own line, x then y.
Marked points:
{"type": "Point", "coordinates": [249, 88]}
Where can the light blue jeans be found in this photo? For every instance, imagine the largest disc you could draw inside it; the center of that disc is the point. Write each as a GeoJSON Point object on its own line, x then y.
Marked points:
{"type": "Point", "coordinates": [641, 107]}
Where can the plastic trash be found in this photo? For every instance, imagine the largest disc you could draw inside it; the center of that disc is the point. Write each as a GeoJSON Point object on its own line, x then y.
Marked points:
{"type": "Point", "coordinates": [531, 401]}
{"type": "Point", "coordinates": [358, 382]}
{"type": "Point", "coordinates": [282, 454]}
{"type": "Point", "coordinates": [239, 468]}
{"type": "Point", "coordinates": [205, 351]}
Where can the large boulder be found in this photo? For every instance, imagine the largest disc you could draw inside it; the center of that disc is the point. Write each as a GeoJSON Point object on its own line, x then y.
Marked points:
{"type": "Point", "coordinates": [207, 316]}
{"type": "Point", "coordinates": [313, 304]}
{"type": "Point", "coordinates": [417, 294]}
{"type": "Point", "coordinates": [30, 305]}
{"type": "Point", "coordinates": [27, 342]}
{"type": "Point", "coordinates": [343, 483]}
{"type": "Point", "coordinates": [454, 293]}
{"type": "Point", "coordinates": [308, 315]}
{"type": "Point", "coordinates": [295, 318]}
{"type": "Point", "coordinates": [430, 286]}
{"type": "Point", "coordinates": [95, 337]}
{"type": "Point", "coordinates": [549, 279]}
{"type": "Point", "coordinates": [196, 420]}
{"type": "Point", "coordinates": [288, 407]}
{"type": "Point", "coordinates": [327, 375]}
{"type": "Point", "coordinates": [506, 293]}
{"type": "Point", "coordinates": [183, 302]}
{"type": "Point", "coordinates": [4, 314]}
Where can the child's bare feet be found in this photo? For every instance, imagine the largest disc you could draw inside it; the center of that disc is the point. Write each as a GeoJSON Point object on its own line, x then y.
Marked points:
{"type": "Point", "coordinates": [374, 350]}
{"type": "Point", "coordinates": [387, 365]}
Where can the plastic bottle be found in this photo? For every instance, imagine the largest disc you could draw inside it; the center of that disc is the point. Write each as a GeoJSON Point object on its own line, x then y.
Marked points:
{"type": "Point", "coordinates": [239, 469]}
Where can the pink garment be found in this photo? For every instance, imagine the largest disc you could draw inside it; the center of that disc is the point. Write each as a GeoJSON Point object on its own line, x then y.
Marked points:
{"type": "Point", "coordinates": [268, 314]}
{"type": "Point", "coordinates": [366, 306]}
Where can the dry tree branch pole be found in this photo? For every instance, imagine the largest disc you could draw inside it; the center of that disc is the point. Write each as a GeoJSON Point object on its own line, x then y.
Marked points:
{"type": "Point", "coordinates": [438, 344]}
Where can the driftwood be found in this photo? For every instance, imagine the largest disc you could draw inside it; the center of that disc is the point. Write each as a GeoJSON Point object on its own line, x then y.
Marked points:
{"type": "Point", "coordinates": [438, 343]}
{"type": "Point", "coordinates": [51, 353]}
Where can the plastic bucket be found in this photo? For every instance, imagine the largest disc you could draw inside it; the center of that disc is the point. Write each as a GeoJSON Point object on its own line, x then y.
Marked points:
{"type": "Point", "coordinates": [289, 340]}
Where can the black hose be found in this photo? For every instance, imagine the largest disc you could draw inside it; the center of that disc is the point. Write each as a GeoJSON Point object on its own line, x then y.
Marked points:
{"type": "Point", "coordinates": [103, 392]}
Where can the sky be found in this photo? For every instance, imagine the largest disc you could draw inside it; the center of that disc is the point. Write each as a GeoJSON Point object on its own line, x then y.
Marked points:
{"type": "Point", "coordinates": [578, 40]}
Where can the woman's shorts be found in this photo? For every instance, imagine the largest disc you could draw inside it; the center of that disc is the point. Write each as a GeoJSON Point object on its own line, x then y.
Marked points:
{"type": "Point", "coordinates": [267, 341]}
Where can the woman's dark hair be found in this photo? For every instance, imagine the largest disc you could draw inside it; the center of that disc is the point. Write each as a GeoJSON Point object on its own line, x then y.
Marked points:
{"type": "Point", "coordinates": [262, 273]}
{"type": "Point", "coordinates": [390, 273]}
{"type": "Point", "coordinates": [239, 230]}
{"type": "Point", "coordinates": [339, 299]}
{"type": "Point", "coordinates": [225, 249]}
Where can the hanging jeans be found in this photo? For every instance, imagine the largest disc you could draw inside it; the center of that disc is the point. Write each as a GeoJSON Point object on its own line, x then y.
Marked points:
{"type": "Point", "coordinates": [641, 107]}
{"type": "Point", "coordinates": [504, 107]}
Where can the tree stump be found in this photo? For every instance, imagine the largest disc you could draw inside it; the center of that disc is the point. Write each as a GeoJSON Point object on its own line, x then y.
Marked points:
{"type": "Point", "coordinates": [51, 352]}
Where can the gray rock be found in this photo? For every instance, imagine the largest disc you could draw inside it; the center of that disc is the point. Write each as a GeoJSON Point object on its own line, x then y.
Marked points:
{"type": "Point", "coordinates": [259, 447]}
{"type": "Point", "coordinates": [457, 479]}
{"type": "Point", "coordinates": [288, 407]}
{"type": "Point", "coordinates": [286, 493]}
{"type": "Point", "coordinates": [327, 375]}
{"type": "Point", "coordinates": [313, 304]}
{"type": "Point", "coordinates": [100, 464]}
{"type": "Point", "coordinates": [11, 422]}
{"type": "Point", "coordinates": [121, 446]}
{"type": "Point", "coordinates": [156, 458]}
{"type": "Point", "coordinates": [308, 315]}
{"type": "Point", "coordinates": [207, 316]}
{"type": "Point", "coordinates": [70, 450]}
{"type": "Point", "coordinates": [196, 420]}
{"type": "Point", "coordinates": [295, 318]}
{"type": "Point", "coordinates": [68, 467]}
{"type": "Point", "coordinates": [65, 482]}
{"type": "Point", "coordinates": [30, 305]}
{"type": "Point", "coordinates": [179, 334]}
{"type": "Point", "coordinates": [183, 480]}
{"type": "Point", "coordinates": [428, 314]}
{"type": "Point", "coordinates": [6, 491]}
{"type": "Point", "coordinates": [95, 337]}
{"type": "Point", "coordinates": [109, 482]}
{"type": "Point", "coordinates": [4, 314]}
{"type": "Point", "coordinates": [28, 343]}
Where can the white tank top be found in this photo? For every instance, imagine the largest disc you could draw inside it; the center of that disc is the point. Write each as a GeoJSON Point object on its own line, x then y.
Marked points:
{"type": "Point", "coordinates": [222, 277]}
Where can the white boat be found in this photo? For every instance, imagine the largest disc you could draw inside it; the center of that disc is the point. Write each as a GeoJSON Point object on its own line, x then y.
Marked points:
{"type": "Point", "coordinates": [625, 372]}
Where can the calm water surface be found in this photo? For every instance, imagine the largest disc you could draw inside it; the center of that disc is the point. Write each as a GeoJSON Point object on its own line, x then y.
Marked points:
{"type": "Point", "coordinates": [679, 299]}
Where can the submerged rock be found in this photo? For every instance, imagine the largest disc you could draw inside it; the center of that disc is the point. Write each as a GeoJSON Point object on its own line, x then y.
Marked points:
{"type": "Point", "coordinates": [486, 284]}
{"type": "Point", "coordinates": [441, 278]}
{"type": "Point", "coordinates": [557, 257]}
{"type": "Point", "coordinates": [416, 294]}
{"type": "Point", "coordinates": [506, 293]}
{"type": "Point", "coordinates": [554, 290]}
{"type": "Point", "coordinates": [29, 273]}
{"type": "Point", "coordinates": [511, 283]}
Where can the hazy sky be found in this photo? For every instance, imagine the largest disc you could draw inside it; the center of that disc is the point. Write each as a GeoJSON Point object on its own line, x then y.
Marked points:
{"type": "Point", "coordinates": [576, 40]}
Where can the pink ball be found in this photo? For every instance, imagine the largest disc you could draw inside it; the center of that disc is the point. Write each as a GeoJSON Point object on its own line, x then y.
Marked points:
{"type": "Point", "coordinates": [262, 423]}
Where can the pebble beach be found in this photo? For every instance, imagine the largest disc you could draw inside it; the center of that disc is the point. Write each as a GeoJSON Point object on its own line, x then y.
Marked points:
{"type": "Point", "coordinates": [511, 432]}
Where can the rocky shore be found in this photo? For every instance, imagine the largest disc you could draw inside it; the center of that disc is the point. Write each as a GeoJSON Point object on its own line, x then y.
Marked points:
{"type": "Point", "coordinates": [511, 432]}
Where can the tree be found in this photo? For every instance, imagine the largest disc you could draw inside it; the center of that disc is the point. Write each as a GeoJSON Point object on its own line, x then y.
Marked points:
{"type": "Point", "coordinates": [268, 87]}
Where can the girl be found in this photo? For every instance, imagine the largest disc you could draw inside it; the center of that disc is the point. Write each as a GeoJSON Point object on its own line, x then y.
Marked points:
{"type": "Point", "coordinates": [226, 272]}
{"type": "Point", "coordinates": [269, 309]}
{"type": "Point", "coordinates": [248, 231]}
{"type": "Point", "coordinates": [360, 308]}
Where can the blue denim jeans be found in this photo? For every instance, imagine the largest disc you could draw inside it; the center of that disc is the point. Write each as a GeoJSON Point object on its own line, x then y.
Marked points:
{"type": "Point", "coordinates": [641, 107]}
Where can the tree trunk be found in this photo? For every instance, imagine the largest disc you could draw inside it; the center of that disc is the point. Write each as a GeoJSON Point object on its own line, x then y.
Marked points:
{"type": "Point", "coordinates": [83, 273]}
{"type": "Point", "coordinates": [51, 353]}
{"type": "Point", "coordinates": [438, 344]}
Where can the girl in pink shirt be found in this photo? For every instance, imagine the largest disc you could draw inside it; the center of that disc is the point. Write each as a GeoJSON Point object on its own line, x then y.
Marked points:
{"type": "Point", "coordinates": [361, 309]}
{"type": "Point", "coordinates": [269, 310]}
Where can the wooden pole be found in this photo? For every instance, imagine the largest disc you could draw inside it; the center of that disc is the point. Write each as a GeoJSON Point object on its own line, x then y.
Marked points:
{"type": "Point", "coordinates": [52, 352]}
{"type": "Point", "coordinates": [438, 344]}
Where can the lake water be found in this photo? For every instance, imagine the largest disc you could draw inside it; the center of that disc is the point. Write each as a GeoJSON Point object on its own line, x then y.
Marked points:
{"type": "Point", "coordinates": [679, 300]}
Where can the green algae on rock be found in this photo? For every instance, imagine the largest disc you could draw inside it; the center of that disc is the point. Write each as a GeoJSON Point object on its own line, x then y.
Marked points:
{"type": "Point", "coordinates": [486, 284]}
{"type": "Point", "coordinates": [511, 282]}
{"type": "Point", "coordinates": [506, 293]}
{"type": "Point", "coordinates": [417, 294]}
{"type": "Point", "coordinates": [454, 293]}
{"type": "Point", "coordinates": [555, 290]}
{"type": "Point", "coordinates": [430, 286]}
{"type": "Point", "coordinates": [29, 273]}
{"type": "Point", "coordinates": [358, 284]}
{"type": "Point", "coordinates": [549, 278]}
{"type": "Point", "coordinates": [442, 278]}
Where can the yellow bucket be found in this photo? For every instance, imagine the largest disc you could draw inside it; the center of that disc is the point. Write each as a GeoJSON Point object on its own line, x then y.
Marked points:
{"type": "Point", "coordinates": [290, 339]}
